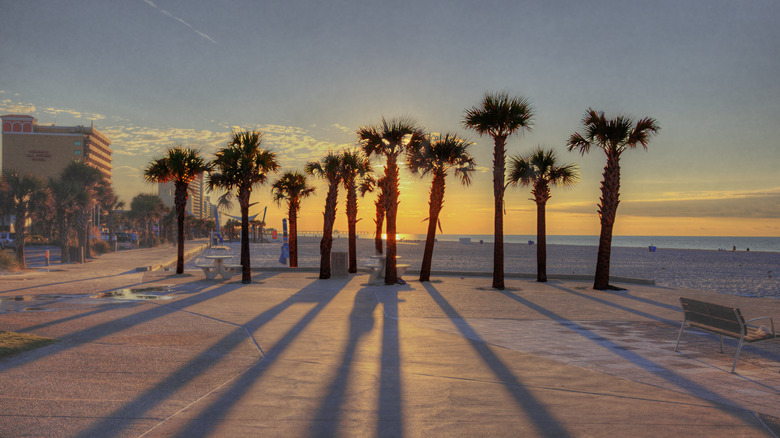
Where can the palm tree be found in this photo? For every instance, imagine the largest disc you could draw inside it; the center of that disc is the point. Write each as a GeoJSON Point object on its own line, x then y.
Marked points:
{"type": "Point", "coordinates": [329, 169]}
{"type": "Point", "coordinates": [88, 179]}
{"type": "Point", "coordinates": [368, 185]}
{"type": "Point", "coordinates": [22, 194]}
{"type": "Point", "coordinates": [238, 167]}
{"type": "Point", "coordinates": [356, 167]}
{"type": "Point", "coordinates": [499, 116]}
{"type": "Point", "coordinates": [180, 165]}
{"type": "Point", "coordinates": [436, 157]}
{"type": "Point", "coordinates": [293, 187]}
{"type": "Point", "coordinates": [66, 196]}
{"type": "Point", "coordinates": [390, 138]}
{"type": "Point", "coordinates": [540, 170]}
{"type": "Point", "coordinates": [613, 136]}
{"type": "Point", "coordinates": [146, 210]}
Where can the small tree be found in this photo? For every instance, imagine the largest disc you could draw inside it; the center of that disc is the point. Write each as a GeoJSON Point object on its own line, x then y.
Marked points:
{"type": "Point", "coordinates": [390, 139]}
{"type": "Point", "coordinates": [239, 167]}
{"type": "Point", "coordinates": [436, 157]}
{"type": "Point", "coordinates": [356, 167]}
{"type": "Point", "coordinates": [540, 170]}
{"type": "Point", "coordinates": [181, 166]}
{"type": "Point", "coordinates": [22, 194]}
{"type": "Point", "coordinates": [499, 116]}
{"type": "Point", "coordinates": [329, 169]}
{"type": "Point", "coordinates": [613, 136]}
{"type": "Point", "coordinates": [292, 187]}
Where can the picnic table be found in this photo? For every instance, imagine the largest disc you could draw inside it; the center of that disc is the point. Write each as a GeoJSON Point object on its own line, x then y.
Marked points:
{"type": "Point", "coordinates": [219, 267]}
{"type": "Point", "coordinates": [377, 269]}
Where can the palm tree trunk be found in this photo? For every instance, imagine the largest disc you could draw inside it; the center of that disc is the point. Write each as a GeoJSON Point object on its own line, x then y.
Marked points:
{"type": "Point", "coordinates": [352, 225]}
{"type": "Point", "coordinates": [541, 243]}
{"type": "Point", "coordinates": [379, 221]}
{"type": "Point", "coordinates": [180, 202]}
{"type": "Point", "coordinates": [434, 208]}
{"type": "Point", "coordinates": [246, 268]}
{"type": "Point", "coordinates": [391, 273]}
{"type": "Point", "coordinates": [21, 217]}
{"type": "Point", "coordinates": [326, 244]}
{"type": "Point", "coordinates": [499, 164]}
{"type": "Point", "coordinates": [610, 193]}
{"type": "Point", "coordinates": [293, 216]}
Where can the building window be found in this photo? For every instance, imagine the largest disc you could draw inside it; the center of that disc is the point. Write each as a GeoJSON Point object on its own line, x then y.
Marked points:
{"type": "Point", "coordinates": [77, 152]}
{"type": "Point", "coordinates": [76, 143]}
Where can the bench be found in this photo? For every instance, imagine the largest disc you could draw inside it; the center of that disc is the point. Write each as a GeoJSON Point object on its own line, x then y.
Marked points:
{"type": "Point", "coordinates": [723, 321]}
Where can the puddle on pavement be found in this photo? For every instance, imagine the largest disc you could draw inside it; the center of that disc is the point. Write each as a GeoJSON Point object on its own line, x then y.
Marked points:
{"type": "Point", "coordinates": [137, 294]}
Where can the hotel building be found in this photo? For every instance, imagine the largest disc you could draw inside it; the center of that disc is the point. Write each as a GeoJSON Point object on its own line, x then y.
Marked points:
{"type": "Point", "coordinates": [45, 150]}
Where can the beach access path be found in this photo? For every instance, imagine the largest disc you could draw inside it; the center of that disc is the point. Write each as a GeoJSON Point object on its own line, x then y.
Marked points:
{"type": "Point", "coordinates": [292, 355]}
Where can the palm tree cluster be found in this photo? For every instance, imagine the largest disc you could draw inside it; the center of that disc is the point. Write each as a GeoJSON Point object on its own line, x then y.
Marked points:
{"type": "Point", "coordinates": [62, 208]}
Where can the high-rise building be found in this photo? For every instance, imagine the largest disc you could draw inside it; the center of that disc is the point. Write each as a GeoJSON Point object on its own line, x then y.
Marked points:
{"type": "Point", "coordinates": [195, 200]}
{"type": "Point", "coordinates": [45, 150]}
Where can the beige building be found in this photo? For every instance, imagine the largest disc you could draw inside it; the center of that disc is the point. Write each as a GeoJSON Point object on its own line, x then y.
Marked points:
{"type": "Point", "coordinates": [45, 150]}
{"type": "Point", "coordinates": [197, 202]}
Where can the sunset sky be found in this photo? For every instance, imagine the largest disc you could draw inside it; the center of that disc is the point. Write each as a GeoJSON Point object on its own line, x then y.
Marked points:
{"type": "Point", "coordinates": [153, 73]}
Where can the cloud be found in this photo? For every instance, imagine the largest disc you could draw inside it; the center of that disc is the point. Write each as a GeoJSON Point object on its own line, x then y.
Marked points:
{"type": "Point", "coordinates": [133, 140]}
{"type": "Point", "coordinates": [72, 113]}
{"type": "Point", "coordinates": [8, 106]}
{"type": "Point", "coordinates": [168, 14]}
{"type": "Point", "coordinates": [764, 203]}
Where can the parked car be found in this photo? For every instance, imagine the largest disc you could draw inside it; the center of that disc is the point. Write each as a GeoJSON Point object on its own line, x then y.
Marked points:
{"type": "Point", "coordinates": [7, 240]}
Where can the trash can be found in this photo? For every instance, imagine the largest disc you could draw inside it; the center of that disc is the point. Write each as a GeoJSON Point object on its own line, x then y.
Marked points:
{"type": "Point", "coordinates": [338, 264]}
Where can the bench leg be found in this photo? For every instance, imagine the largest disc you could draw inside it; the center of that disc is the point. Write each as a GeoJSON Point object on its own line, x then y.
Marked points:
{"type": "Point", "coordinates": [210, 273]}
{"type": "Point", "coordinates": [736, 356]}
{"type": "Point", "coordinates": [682, 327]}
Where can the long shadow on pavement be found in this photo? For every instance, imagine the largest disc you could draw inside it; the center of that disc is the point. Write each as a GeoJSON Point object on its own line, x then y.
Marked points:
{"type": "Point", "coordinates": [543, 420]}
{"type": "Point", "coordinates": [238, 388]}
{"type": "Point", "coordinates": [665, 373]}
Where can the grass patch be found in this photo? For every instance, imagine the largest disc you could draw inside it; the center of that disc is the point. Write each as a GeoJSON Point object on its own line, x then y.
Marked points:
{"type": "Point", "coordinates": [13, 343]}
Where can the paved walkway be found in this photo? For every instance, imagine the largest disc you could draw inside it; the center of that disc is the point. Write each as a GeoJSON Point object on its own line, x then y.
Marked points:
{"type": "Point", "coordinates": [291, 355]}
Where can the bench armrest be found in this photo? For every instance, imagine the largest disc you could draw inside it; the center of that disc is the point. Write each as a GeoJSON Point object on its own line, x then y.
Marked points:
{"type": "Point", "coordinates": [771, 321]}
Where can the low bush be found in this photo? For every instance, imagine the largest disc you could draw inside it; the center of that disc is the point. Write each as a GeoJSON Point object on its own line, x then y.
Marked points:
{"type": "Point", "coordinates": [8, 261]}
{"type": "Point", "coordinates": [100, 246]}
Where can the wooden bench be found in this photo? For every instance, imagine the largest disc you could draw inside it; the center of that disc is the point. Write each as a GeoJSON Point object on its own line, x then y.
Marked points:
{"type": "Point", "coordinates": [723, 321]}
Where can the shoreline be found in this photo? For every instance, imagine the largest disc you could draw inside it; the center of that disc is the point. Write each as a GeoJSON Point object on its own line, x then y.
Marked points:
{"type": "Point", "coordinates": [743, 273]}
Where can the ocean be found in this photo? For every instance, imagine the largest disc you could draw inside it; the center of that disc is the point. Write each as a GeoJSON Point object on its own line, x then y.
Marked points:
{"type": "Point", "coordinates": [763, 244]}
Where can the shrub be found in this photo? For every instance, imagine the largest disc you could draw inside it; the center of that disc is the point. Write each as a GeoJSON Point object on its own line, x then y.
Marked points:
{"type": "Point", "coordinates": [100, 246]}
{"type": "Point", "coordinates": [8, 261]}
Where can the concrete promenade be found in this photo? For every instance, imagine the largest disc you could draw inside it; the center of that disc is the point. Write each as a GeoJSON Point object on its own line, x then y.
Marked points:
{"type": "Point", "coordinates": [291, 355]}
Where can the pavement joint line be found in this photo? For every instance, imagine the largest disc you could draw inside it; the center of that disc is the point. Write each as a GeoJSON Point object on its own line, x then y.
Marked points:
{"type": "Point", "coordinates": [244, 371]}
{"type": "Point", "coordinates": [246, 330]}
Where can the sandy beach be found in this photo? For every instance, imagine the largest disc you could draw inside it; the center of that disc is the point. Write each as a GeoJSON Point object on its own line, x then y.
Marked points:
{"type": "Point", "coordinates": [741, 273]}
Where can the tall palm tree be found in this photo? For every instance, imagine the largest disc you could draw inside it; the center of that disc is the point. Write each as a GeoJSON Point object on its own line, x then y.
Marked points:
{"type": "Point", "coordinates": [65, 199]}
{"type": "Point", "coordinates": [541, 170]}
{"type": "Point", "coordinates": [180, 165]}
{"type": "Point", "coordinates": [22, 194]}
{"type": "Point", "coordinates": [329, 169]}
{"type": "Point", "coordinates": [355, 167]}
{"type": "Point", "coordinates": [293, 187]}
{"type": "Point", "coordinates": [240, 166]}
{"type": "Point", "coordinates": [436, 157]}
{"type": "Point", "coordinates": [390, 138]}
{"type": "Point", "coordinates": [89, 179]}
{"type": "Point", "coordinates": [613, 136]}
{"type": "Point", "coordinates": [499, 116]}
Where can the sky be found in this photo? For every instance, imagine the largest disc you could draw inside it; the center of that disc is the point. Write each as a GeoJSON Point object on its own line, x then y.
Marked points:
{"type": "Point", "coordinates": [154, 73]}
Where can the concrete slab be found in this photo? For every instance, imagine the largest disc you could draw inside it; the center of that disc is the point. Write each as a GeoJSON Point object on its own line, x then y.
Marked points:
{"type": "Point", "coordinates": [292, 355]}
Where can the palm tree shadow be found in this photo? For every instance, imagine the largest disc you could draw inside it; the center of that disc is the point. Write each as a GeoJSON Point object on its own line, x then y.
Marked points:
{"type": "Point", "coordinates": [238, 387]}
{"type": "Point", "coordinates": [722, 403]}
{"type": "Point", "coordinates": [542, 419]}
